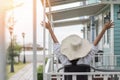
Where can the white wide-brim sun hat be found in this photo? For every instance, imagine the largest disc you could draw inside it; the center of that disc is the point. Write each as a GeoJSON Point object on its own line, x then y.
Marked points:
{"type": "Point", "coordinates": [75, 47]}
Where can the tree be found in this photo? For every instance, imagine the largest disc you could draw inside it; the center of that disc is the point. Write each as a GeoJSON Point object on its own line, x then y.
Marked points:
{"type": "Point", "coordinates": [16, 51]}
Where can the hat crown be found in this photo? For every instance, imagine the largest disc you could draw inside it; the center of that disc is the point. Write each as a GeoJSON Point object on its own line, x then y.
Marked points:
{"type": "Point", "coordinates": [76, 43]}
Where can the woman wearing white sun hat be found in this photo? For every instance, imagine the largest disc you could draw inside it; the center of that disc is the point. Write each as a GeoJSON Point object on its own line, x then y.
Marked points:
{"type": "Point", "coordinates": [75, 51]}
{"type": "Point", "coordinates": [74, 47]}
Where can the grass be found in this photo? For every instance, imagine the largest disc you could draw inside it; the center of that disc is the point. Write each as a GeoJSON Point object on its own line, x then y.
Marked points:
{"type": "Point", "coordinates": [17, 67]}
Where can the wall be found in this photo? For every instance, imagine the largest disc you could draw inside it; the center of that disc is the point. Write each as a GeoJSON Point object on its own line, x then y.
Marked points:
{"type": "Point", "coordinates": [92, 1]}
{"type": "Point", "coordinates": [116, 33]}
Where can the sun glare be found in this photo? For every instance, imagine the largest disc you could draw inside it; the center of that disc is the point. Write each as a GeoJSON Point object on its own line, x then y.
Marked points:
{"type": "Point", "coordinates": [23, 18]}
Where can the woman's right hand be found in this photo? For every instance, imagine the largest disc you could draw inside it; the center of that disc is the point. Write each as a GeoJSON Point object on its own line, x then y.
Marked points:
{"type": "Point", "coordinates": [47, 24]}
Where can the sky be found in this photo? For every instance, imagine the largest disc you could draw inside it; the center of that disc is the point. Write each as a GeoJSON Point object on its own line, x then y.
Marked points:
{"type": "Point", "coordinates": [23, 23]}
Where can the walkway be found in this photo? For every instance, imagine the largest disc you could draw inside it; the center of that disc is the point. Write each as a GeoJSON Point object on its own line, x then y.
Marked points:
{"type": "Point", "coordinates": [24, 74]}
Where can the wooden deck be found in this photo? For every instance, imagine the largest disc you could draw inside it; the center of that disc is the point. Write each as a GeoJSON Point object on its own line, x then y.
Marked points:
{"type": "Point", "coordinates": [24, 74]}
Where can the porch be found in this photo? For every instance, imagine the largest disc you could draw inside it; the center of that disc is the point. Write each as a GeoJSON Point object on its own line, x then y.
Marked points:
{"type": "Point", "coordinates": [107, 65]}
{"type": "Point", "coordinates": [105, 62]}
{"type": "Point", "coordinates": [102, 68]}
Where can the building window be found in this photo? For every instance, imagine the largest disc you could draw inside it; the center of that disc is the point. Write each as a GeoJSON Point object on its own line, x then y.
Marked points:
{"type": "Point", "coordinates": [108, 36]}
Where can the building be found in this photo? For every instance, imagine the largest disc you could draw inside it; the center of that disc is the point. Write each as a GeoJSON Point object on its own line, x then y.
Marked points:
{"type": "Point", "coordinates": [29, 47]}
{"type": "Point", "coordinates": [92, 14]}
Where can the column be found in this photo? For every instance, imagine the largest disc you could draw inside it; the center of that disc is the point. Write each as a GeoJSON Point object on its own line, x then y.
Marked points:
{"type": "Point", "coordinates": [2, 43]}
{"type": "Point", "coordinates": [92, 29]}
{"type": "Point", "coordinates": [34, 40]}
{"type": "Point", "coordinates": [112, 35]}
{"type": "Point", "coordinates": [86, 31]}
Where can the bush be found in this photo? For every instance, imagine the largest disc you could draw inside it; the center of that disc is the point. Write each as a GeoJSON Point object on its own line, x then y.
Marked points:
{"type": "Point", "coordinates": [40, 76]}
{"type": "Point", "coordinates": [40, 72]}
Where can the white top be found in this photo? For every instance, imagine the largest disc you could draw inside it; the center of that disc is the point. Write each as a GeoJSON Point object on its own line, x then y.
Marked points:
{"type": "Point", "coordinates": [65, 61]}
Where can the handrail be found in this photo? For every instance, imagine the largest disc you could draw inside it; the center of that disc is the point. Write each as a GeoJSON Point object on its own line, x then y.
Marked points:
{"type": "Point", "coordinates": [95, 69]}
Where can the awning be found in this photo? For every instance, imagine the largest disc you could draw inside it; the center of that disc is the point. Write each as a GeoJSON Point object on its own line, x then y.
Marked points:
{"type": "Point", "coordinates": [87, 10]}
{"type": "Point", "coordinates": [60, 2]}
{"type": "Point", "coordinates": [70, 22]}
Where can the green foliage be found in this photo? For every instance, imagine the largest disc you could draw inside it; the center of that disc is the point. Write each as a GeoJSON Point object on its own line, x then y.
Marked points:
{"type": "Point", "coordinates": [40, 69]}
{"type": "Point", "coordinates": [40, 76]}
{"type": "Point", "coordinates": [46, 59]}
{"type": "Point", "coordinates": [13, 50]}
{"type": "Point", "coordinates": [17, 49]}
{"type": "Point", "coordinates": [40, 72]}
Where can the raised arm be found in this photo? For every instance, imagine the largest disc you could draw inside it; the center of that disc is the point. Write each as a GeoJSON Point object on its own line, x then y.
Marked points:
{"type": "Point", "coordinates": [98, 38]}
{"type": "Point", "coordinates": [48, 26]}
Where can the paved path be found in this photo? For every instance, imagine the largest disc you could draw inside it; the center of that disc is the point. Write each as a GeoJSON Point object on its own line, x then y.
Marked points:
{"type": "Point", "coordinates": [24, 74]}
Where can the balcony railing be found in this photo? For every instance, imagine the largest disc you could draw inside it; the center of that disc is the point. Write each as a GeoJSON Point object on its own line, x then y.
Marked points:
{"type": "Point", "coordinates": [104, 67]}
{"type": "Point", "coordinates": [111, 1]}
{"type": "Point", "coordinates": [91, 75]}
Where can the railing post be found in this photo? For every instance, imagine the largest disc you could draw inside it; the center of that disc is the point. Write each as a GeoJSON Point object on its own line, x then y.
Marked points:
{"type": "Point", "coordinates": [34, 41]}
{"type": "Point", "coordinates": [105, 77]}
{"type": "Point", "coordinates": [112, 34]}
{"type": "Point", "coordinates": [44, 37]}
{"type": "Point", "coordinates": [89, 77]}
{"type": "Point", "coordinates": [2, 42]}
{"type": "Point", "coordinates": [74, 77]}
{"type": "Point", "coordinates": [51, 20]}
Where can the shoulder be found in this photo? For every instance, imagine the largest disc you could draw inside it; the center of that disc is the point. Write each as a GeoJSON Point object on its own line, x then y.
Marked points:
{"type": "Point", "coordinates": [94, 49]}
{"type": "Point", "coordinates": [56, 46]}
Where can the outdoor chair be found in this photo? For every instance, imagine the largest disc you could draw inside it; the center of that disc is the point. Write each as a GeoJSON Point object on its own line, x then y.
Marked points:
{"type": "Point", "coordinates": [86, 68]}
{"type": "Point", "coordinates": [76, 68]}
{"type": "Point", "coordinates": [100, 52]}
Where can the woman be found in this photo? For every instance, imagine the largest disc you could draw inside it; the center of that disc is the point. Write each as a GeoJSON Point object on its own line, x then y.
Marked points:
{"type": "Point", "coordinates": [74, 50]}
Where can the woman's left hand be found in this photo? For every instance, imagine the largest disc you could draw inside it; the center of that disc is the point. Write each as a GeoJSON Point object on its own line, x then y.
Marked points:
{"type": "Point", "coordinates": [108, 25]}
